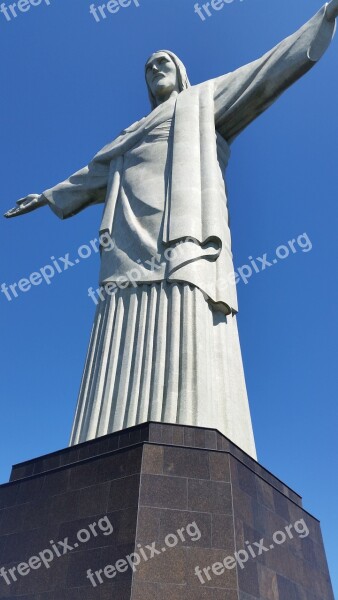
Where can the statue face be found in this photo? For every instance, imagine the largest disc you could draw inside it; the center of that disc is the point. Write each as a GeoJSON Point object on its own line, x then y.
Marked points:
{"type": "Point", "coordinates": [161, 75]}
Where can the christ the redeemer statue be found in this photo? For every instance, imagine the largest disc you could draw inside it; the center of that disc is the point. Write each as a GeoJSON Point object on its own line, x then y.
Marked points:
{"type": "Point", "coordinates": [164, 345]}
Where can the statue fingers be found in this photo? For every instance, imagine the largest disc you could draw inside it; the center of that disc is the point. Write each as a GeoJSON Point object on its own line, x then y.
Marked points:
{"type": "Point", "coordinates": [13, 212]}
{"type": "Point", "coordinates": [27, 199]}
{"type": "Point", "coordinates": [24, 205]}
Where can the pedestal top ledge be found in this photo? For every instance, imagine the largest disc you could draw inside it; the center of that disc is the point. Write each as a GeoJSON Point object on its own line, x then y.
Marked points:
{"type": "Point", "coordinates": [154, 433]}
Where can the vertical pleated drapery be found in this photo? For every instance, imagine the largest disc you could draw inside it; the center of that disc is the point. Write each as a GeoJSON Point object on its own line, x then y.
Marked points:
{"type": "Point", "coordinates": [159, 352]}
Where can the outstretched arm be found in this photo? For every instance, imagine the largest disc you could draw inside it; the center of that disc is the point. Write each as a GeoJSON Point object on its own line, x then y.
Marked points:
{"type": "Point", "coordinates": [87, 186]}
{"type": "Point", "coordinates": [246, 93]}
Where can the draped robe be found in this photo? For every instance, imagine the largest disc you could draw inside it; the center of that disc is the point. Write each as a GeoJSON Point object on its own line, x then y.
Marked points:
{"type": "Point", "coordinates": [163, 187]}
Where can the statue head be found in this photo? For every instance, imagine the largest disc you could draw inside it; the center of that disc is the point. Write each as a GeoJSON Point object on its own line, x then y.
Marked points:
{"type": "Point", "coordinates": [165, 73]}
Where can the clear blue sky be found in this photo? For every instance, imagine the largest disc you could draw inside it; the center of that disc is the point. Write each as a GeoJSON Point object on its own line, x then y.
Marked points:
{"type": "Point", "coordinates": [68, 86]}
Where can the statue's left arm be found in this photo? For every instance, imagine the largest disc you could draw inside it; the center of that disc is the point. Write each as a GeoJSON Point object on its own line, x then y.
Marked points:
{"type": "Point", "coordinates": [243, 95]}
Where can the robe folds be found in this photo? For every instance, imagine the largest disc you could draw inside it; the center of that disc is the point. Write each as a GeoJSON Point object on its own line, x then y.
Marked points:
{"type": "Point", "coordinates": [196, 212]}
{"type": "Point", "coordinates": [166, 347]}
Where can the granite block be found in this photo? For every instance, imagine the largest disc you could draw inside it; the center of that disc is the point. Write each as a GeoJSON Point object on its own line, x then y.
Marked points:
{"type": "Point", "coordinates": [209, 496]}
{"type": "Point", "coordinates": [187, 463]}
{"type": "Point", "coordinates": [8, 495]}
{"type": "Point", "coordinates": [268, 588]}
{"type": "Point", "coordinates": [124, 493]}
{"type": "Point", "coordinates": [219, 466]}
{"type": "Point", "coordinates": [223, 535]}
{"type": "Point", "coordinates": [153, 459]}
{"type": "Point", "coordinates": [164, 491]}
{"type": "Point", "coordinates": [93, 500]}
{"type": "Point", "coordinates": [195, 527]}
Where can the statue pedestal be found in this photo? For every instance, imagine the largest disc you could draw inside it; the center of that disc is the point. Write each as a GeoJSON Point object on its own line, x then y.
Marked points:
{"type": "Point", "coordinates": [182, 498]}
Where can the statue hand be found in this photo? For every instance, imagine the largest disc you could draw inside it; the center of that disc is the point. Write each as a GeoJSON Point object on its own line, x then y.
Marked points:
{"type": "Point", "coordinates": [332, 10]}
{"type": "Point", "coordinates": [26, 205]}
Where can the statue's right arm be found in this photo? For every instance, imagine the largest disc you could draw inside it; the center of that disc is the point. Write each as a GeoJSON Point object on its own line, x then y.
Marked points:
{"type": "Point", "coordinates": [86, 187]}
